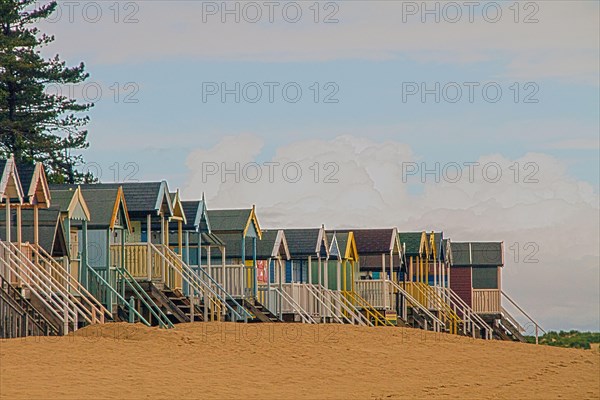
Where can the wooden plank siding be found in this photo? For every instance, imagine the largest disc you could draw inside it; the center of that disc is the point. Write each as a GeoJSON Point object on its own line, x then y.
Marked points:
{"type": "Point", "coordinates": [460, 282]}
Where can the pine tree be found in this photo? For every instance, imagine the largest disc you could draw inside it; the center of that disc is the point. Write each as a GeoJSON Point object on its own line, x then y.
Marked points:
{"type": "Point", "coordinates": [36, 125]}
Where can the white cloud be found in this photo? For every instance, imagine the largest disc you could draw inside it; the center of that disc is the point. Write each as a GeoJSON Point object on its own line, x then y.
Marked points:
{"type": "Point", "coordinates": [563, 44]}
{"type": "Point", "coordinates": [557, 213]}
{"type": "Point", "coordinates": [576, 144]}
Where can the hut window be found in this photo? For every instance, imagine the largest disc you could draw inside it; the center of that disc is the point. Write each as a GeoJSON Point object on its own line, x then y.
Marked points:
{"type": "Point", "coordinates": [485, 277]}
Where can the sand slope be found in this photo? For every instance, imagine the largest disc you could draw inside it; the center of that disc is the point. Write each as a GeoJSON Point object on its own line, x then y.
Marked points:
{"type": "Point", "coordinates": [287, 361]}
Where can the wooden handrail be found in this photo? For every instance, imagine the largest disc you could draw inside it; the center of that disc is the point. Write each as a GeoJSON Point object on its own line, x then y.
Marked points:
{"type": "Point", "coordinates": [466, 310]}
{"type": "Point", "coordinates": [349, 309]}
{"type": "Point", "coordinates": [41, 289]}
{"type": "Point", "coordinates": [537, 326]}
{"type": "Point", "coordinates": [78, 287]}
{"type": "Point", "coordinates": [115, 292]}
{"type": "Point", "coordinates": [415, 303]}
{"type": "Point", "coordinates": [194, 280]}
{"type": "Point", "coordinates": [369, 309]}
{"type": "Point", "coordinates": [306, 317]}
{"type": "Point", "coordinates": [317, 294]}
{"type": "Point", "coordinates": [88, 315]}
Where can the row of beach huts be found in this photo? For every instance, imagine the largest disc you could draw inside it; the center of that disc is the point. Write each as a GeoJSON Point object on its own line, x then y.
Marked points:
{"type": "Point", "coordinates": [76, 255]}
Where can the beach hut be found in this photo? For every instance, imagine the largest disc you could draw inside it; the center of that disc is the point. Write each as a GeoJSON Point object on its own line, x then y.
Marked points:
{"type": "Point", "coordinates": [428, 258]}
{"type": "Point", "coordinates": [205, 253]}
{"type": "Point", "coordinates": [476, 277]}
{"type": "Point", "coordinates": [32, 278]}
{"type": "Point", "coordinates": [307, 278]}
{"type": "Point", "coordinates": [74, 215]}
{"type": "Point", "coordinates": [152, 264]}
{"type": "Point", "coordinates": [309, 252]}
{"type": "Point", "coordinates": [380, 262]}
{"type": "Point", "coordinates": [342, 270]}
{"type": "Point", "coordinates": [272, 252]}
{"type": "Point", "coordinates": [240, 230]}
{"type": "Point", "coordinates": [107, 227]}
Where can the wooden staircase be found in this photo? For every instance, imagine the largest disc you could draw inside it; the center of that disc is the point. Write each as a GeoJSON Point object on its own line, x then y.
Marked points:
{"type": "Point", "coordinates": [506, 327]}
{"type": "Point", "coordinates": [175, 306]}
{"type": "Point", "coordinates": [368, 310]}
{"type": "Point", "coordinates": [412, 312]}
{"type": "Point", "coordinates": [431, 300]}
{"type": "Point", "coordinates": [259, 311]}
{"type": "Point", "coordinates": [49, 288]}
{"type": "Point", "coordinates": [19, 318]}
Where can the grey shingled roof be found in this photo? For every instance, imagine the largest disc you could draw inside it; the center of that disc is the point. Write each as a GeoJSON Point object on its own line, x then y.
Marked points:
{"type": "Point", "coordinates": [342, 240]}
{"type": "Point", "coordinates": [264, 247]}
{"type": "Point", "coordinates": [413, 242]}
{"type": "Point", "coordinates": [233, 245]}
{"type": "Point", "coordinates": [26, 172]}
{"type": "Point", "coordinates": [62, 198]}
{"type": "Point", "coordinates": [302, 242]}
{"type": "Point", "coordinates": [192, 210]}
{"type": "Point", "coordinates": [372, 241]}
{"type": "Point", "coordinates": [100, 203]}
{"type": "Point", "coordinates": [233, 220]}
{"type": "Point", "coordinates": [141, 197]}
{"type": "Point", "coordinates": [480, 253]}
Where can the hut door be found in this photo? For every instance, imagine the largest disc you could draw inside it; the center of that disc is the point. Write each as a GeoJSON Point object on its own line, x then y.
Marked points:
{"type": "Point", "coordinates": [74, 253]}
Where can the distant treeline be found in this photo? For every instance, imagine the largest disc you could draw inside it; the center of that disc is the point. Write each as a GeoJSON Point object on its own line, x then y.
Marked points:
{"type": "Point", "coordinates": [574, 339]}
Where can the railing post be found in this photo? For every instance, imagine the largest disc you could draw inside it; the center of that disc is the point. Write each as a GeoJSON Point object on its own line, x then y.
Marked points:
{"type": "Point", "coordinates": [149, 261]}
{"type": "Point", "coordinates": [131, 308]}
{"type": "Point", "coordinates": [205, 301]}
{"type": "Point", "coordinates": [192, 307]}
{"type": "Point", "coordinates": [536, 334]}
{"type": "Point", "coordinates": [66, 319]}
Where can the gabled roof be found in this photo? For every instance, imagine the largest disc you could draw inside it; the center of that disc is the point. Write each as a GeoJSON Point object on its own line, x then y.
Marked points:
{"type": "Point", "coordinates": [375, 241]}
{"type": "Point", "coordinates": [412, 242]}
{"type": "Point", "coordinates": [346, 241]}
{"type": "Point", "coordinates": [306, 241]}
{"type": "Point", "coordinates": [196, 216]}
{"type": "Point", "coordinates": [72, 203]}
{"type": "Point", "coordinates": [34, 184]}
{"type": "Point", "coordinates": [193, 213]}
{"type": "Point", "coordinates": [273, 243]}
{"type": "Point", "coordinates": [343, 243]}
{"type": "Point", "coordinates": [434, 242]}
{"type": "Point", "coordinates": [141, 197]}
{"type": "Point", "coordinates": [178, 211]}
{"type": "Point", "coordinates": [334, 250]}
{"type": "Point", "coordinates": [234, 220]}
{"type": "Point", "coordinates": [10, 184]}
{"type": "Point", "coordinates": [106, 206]}
{"type": "Point", "coordinates": [466, 254]}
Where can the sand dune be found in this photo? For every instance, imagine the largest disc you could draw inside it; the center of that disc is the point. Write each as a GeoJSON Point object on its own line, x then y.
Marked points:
{"type": "Point", "coordinates": [288, 361]}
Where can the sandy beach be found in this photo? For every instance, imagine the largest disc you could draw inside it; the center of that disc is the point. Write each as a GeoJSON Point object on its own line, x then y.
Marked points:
{"type": "Point", "coordinates": [288, 361]}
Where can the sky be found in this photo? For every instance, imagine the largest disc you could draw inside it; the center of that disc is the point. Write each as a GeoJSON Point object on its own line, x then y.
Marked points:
{"type": "Point", "coordinates": [480, 119]}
